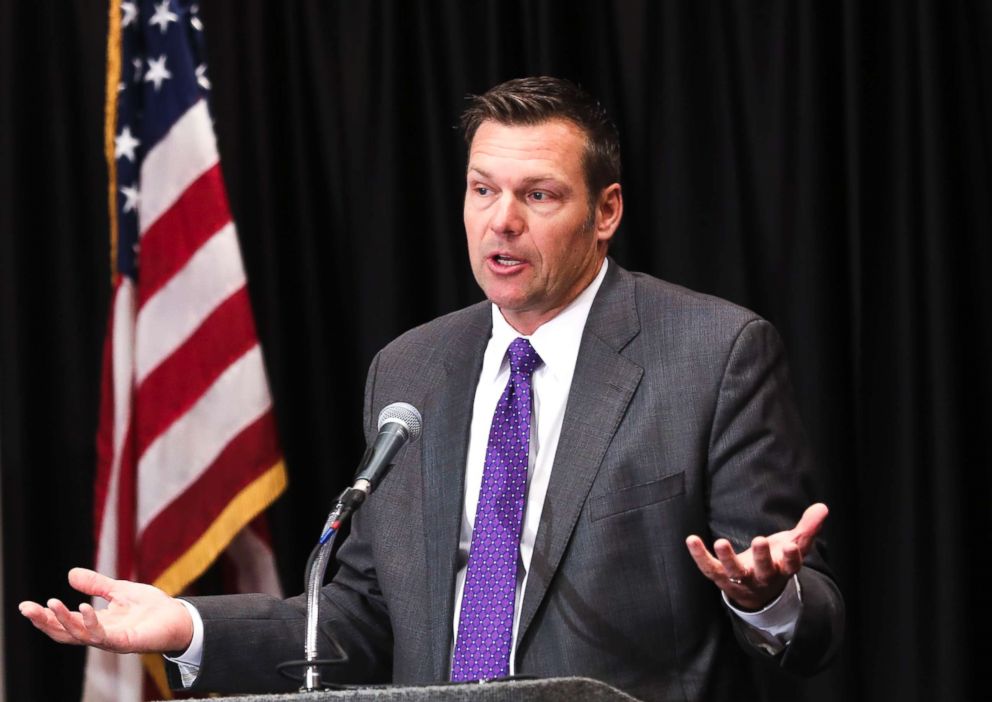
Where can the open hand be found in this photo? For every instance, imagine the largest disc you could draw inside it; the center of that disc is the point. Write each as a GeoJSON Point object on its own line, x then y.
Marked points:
{"type": "Point", "coordinates": [138, 619]}
{"type": "Point", "coordinates": [753, 578]}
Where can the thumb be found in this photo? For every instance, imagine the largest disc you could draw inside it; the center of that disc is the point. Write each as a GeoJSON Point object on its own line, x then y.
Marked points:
{"type": "Point", "coordinates": [90, 582]}
{"type": "Point", "coordinates": [809, 526]}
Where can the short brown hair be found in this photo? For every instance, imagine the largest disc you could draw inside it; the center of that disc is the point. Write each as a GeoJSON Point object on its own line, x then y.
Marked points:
{"type": "Point", "coordinates": [538, 99]}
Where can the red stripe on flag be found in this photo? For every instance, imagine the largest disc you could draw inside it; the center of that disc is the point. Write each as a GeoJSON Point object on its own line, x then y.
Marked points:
{"type": "Point", "coordinates": [181, 230]}
{"type": "Point", "coordinates": [127, 506]}
{"type": "Point", "coordinates": [174, 530]}
{"type": "Point", "coordinates": [182, 378]}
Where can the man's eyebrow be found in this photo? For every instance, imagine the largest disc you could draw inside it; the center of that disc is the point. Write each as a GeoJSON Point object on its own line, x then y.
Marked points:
{"type": "Point", "coordinates": [484, 174]}
{"type": "Point", "coordinates": [549, 178]}
{"type": "Point", "coordinates": [530, 180]}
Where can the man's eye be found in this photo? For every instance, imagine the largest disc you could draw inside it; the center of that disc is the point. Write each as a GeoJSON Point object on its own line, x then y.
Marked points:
{"type": "Point", "coordinates": [539, 196]}
{"type": "Point", "coordinates": [482, 190]}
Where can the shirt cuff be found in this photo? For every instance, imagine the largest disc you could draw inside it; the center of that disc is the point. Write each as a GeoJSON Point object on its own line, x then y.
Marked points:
{"type": "Point", "coordinates": [190, 659]}
{"type": "Point", "coordinates": [773, 626]}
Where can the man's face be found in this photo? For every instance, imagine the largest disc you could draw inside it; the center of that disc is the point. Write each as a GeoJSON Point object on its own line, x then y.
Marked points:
{"type": "Point", "coordinates": [535, 238]}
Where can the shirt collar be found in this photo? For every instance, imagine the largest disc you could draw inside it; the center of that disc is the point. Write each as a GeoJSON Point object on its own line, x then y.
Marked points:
{"type": "Point", "coordinates": [556, 341]}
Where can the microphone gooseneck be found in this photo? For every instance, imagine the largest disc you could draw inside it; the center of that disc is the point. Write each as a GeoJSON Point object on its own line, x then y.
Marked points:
{"type": "Point", "coordinates": [399, 423]}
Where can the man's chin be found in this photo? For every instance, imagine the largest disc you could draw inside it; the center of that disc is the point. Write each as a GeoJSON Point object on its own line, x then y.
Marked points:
{"type": "Point", "coordinates": [505, 294]}
{"type": "Point", "coordinates": [520, 313]}
{"type": "Point", "coordinates": [507, 305]}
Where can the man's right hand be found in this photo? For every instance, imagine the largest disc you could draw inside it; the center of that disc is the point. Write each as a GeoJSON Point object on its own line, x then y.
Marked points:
{"type": "Point", "coordinates": [139, 618]}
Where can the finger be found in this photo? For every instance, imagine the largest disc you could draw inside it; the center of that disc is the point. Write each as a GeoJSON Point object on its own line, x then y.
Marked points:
{"type": "Point", "coordinates": [91, 622]}
{"type": "Point", "coordinates": [764, 565]}
{"type": "Point", "coordinates": [45, 621]}
{"type": "Point", "coordinates": [809, 526]}
{"type": "Point", "coordinates": [30, 609]}
{"type": "Point", "coordinates": [72, 622]}
{"type": "Point", "coordinates": [732, 565]}
{"type": "Point", "coordinates": [91, 583]}
{"type": "Point", "coordinates": [35, 612]}
{"type": "Point", "coordinates": [707, 564]}
{"type": "Point", "coordinates": [792, 559]}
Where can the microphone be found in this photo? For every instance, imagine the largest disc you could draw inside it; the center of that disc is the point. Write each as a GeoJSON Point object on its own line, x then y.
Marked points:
{"type": "Point", "coordinates": [399, 423]}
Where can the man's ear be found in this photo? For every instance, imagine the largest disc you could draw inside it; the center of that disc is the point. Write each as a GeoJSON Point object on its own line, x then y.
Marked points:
{"type": "Point", "coordinates": [609, 211]}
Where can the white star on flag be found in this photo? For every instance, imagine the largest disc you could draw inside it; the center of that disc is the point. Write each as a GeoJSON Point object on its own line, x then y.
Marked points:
{"type": "Point", "coordinates": [163, 16]}
{"type": "Point", "coordinates": [137, 69]}
{"type": "Point", "coordinates": [157, 72]}
{"type": "Point", "coordinates": [124, 144]}
{"type": "Point", "coordinates": [194, 17]}
{"type": "Point", "coordinates": [201, 76]}
{"type": "Point", "coordinates": [130, 11]}
{"type": "Point", "coordinates": [131, 198]}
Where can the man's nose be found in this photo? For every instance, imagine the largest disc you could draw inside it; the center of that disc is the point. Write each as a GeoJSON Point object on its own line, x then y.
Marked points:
{"type": "Point", "coordinates": [508, 218]}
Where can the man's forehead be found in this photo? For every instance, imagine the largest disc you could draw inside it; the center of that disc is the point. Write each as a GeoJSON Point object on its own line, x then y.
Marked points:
{"type": "Point", "coordinates": [560, 126]}
{"type": "Point", "coordinates": [556, 141]}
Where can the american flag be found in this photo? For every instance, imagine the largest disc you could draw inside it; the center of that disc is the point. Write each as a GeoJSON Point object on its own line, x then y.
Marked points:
{"type": "Point", "coordinates": [187, 449]}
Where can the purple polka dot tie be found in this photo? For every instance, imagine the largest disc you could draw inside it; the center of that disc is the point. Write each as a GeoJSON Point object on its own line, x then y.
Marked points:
{"type": "Point", "coordinates": [485, 626]}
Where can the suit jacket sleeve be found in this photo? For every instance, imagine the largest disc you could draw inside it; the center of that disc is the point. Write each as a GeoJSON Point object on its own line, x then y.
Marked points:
{"type": "Point", "coordinates": [247, 636]}
{"type": "Point", "coordinates": [756, 432]}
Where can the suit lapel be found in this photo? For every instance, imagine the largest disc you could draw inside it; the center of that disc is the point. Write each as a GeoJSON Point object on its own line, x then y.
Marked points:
{"type": "Point", "coordinates": [445, 445]}
{"type": "Point", "coordinates": [602, 386]}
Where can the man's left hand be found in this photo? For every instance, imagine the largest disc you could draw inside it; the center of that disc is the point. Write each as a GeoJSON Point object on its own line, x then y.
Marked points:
{"type": "Point", "coordinates": [753, 578]}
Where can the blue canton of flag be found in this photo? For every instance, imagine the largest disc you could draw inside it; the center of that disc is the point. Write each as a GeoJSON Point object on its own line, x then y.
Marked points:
{"type": "Point", "coordinates": [163, 73]}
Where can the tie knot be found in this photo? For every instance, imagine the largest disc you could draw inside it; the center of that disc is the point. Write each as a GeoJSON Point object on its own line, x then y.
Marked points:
{"type": "Point", "coordinates": [523, 357]}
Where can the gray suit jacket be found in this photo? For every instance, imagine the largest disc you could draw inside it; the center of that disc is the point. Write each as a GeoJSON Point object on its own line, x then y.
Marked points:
{"type": "Point", "coordinates": [680, 420]}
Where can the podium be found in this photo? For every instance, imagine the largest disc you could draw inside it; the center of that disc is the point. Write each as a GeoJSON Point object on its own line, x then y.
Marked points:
{"type": "Point", "coordinates": [544, 690]}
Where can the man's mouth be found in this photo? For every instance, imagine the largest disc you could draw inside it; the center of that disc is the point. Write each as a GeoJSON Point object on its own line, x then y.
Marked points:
{"type": "Point", "coordinates": [506, 261]}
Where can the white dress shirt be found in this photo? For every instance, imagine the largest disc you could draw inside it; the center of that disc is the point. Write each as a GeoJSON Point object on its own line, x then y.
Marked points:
{"type": "Point", "coordinates": [557, 343]}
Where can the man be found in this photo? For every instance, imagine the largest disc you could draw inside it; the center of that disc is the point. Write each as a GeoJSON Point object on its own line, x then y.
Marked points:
{"type": "Point", "coordinates": [600, 418]}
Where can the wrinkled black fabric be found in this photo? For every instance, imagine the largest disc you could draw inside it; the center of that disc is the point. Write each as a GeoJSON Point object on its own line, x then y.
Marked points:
{"type": "Point", "coordinates": [826, 164]}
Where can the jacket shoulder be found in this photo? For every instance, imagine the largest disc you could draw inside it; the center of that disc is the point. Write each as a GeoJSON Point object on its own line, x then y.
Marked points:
{"type": "Point", "coordinates": [658, 297]}
{"type": "Point", "coordinates": [414, 365]}
{"type": "Point", "coordinates": [430, 339]}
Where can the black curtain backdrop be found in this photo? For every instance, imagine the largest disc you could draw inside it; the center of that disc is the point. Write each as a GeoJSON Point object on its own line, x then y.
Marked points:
{"type": "Point", "coordinates": [827, 164]}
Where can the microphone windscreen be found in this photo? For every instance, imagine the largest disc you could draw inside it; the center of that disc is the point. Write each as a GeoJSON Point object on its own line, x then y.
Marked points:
{"type": "Point", "coordinates": [404, 413]}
